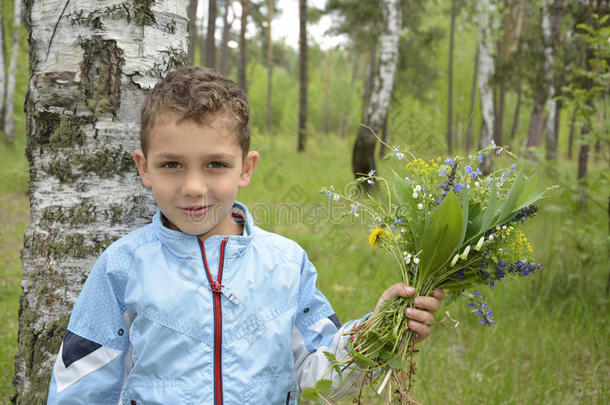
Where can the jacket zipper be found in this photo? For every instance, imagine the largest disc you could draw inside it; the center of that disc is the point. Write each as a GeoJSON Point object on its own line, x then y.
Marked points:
{"type": "Point", "coordinates": [216, 287]}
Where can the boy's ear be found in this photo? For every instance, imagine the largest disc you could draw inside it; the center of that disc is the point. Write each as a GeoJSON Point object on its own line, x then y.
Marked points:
{"type": "Point", "coordinates": [142, 165]}
{"type": "Point", "coordinates": [247, 169]}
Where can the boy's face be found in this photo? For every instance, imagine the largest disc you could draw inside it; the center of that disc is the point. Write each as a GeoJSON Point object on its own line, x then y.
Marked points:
{"type": "Point", "coordinates": [195, 171]}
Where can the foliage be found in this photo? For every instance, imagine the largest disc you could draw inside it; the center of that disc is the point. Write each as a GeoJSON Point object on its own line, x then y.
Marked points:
{"type": "Point", "coordinates": [445, 226]}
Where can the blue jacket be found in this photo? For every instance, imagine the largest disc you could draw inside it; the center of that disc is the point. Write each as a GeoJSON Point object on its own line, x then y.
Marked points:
{"type": "Point", "coordinates": [165, 319]}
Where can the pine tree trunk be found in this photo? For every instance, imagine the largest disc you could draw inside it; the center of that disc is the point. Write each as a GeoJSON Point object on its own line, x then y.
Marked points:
{"type": "Point", "coordinates": [486, 69]}
{"type": "Point", "coordinates": [303, 79]}
{"type": "Point", "coordinates": [473, 92]}
{"type": "Point", "coordinates": [363, 157]}
{"type": "Point", "coordinates": [224, 42]}
{"type": "Point", "coordinates": [9, 107]}
{"type": "Point", "coordinates": [192, 13]}
{"type": "Point", "coordinates": [210, 47]}
{"type": "Point", "coordinates": [449, 136]}
{"type": "Point", "coordinates": [88, 80]}
{"type": "Point", "coordinates": [241, 71]}
{"type": "Point", "coordinates": [269, 63]}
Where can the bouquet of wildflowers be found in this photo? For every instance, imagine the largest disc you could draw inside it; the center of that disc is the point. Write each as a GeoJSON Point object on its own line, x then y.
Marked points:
{"type": "Point", "coordinates": [447, 225]}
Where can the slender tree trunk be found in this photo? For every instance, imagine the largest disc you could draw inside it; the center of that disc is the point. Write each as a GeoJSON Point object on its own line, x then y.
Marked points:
{"type": "Point", "coordinates": [473, 92]}
{"type": "Point", "coordinates": [9, 122]}
{"type": "Point", "coordinates": [269, 63]}
{"type": "Point", "coordinates": [369, 79]}
{"type": "Point", "coordinates": [384, 136]}
{"type": "Point", "coordinates": [349, 115]}
{"type": "Point", "coordinates": [450, 90]}
{"type": "Point", "coordinates": [241, 71]}
{"type": "Point", "coordinates": [551, 24]}
{"type": "Point", "coordinates": [201, 38]}
{"type": "Point", "coordinates": [2, 70]}
{"type": "Point", "coordinates": [572, 128]}
{"type": "Point", "coordinates": [486, 69]}
{"type": "Point", "coordinates": [303, 79]}
{"type": "Point", "coordinates": [192, 13]}
{"type": "Point", "coordinates": [325, 113]}
{"type": "Point", "coordinates": [83, 104]}
{"type": "Point", "coordinates": [363, 157]}
{"type": "Point", "coordinates": [224, 43]}
{"type": "Point", "coordinates": [513, 129]}
{"type": "Point", "coordinates": [534, 133]}
{"type": "Point", "coordinates": [210, 48]}
{"type": "Point", "coordinates": [499, 117]}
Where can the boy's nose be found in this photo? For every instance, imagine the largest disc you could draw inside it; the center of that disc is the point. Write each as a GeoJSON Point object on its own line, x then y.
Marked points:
{"type": "Point", "coordinates": [194, 185]}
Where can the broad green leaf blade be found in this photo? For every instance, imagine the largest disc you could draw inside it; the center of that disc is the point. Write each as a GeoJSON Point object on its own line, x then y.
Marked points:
{"type": "Point", "coordinates": [396, 363]}
{"type": "Point", "coordinates": [464, 215]}
{"type": "Point", "coordinates": [441, 235]}
{"type": "Point", "coordinates": [309, 394]}
{"type": "Point", "coordinates": [402, 190]}
{"type": "Point", "coordinates": [324, 386]}
{"type": "Point", "coordinates": [513, 196]}
{"type": "Point", "coordinates": [489, 213]}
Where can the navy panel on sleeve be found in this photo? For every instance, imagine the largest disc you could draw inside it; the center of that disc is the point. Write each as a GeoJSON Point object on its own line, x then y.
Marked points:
{"type": "Point", "coordinates": [76, 347]}
{"type": "Point", "coordinates": [335, 319]}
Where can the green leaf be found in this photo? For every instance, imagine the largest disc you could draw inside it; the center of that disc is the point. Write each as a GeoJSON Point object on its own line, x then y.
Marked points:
{"type": "Point", "coordinates": [402, 190]}
{"type": "Point", "coordinates": [323, 386]}
{"type": "Point", "coordinates": [489, 214]}
{"type": "Point", "coordinates": [331, 357]}
{"type": "Point", "coordinates": [441, 235]}
{"type": "Point", "coordinates": [309, 394]}
{"type": "Point", "coordinates": [464, 214]}
{"type": "Point", "coordinates": [396, 363]}
{"type": "Point", "coordinates": [513, 196]}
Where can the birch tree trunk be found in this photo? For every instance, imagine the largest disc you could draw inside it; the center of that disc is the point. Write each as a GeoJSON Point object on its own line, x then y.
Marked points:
{"type": "Point", "coordinates": [91, 64]}
{"type": "Point", "coordinates": [9, 107]}
{"type": "Point", "coordinates": [303, 79]}
{"type": "Point", "coordinates": [241, 71]}
{"type": "Point", "coordinates": [486, 70]}
{"type": "Point", "coordinates": [363, 157]}
{"type": "Point", "coordinates": [473, 92]}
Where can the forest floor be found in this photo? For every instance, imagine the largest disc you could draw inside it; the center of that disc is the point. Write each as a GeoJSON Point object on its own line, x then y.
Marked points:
{"type": "Point", "coordinates": [550, 343]}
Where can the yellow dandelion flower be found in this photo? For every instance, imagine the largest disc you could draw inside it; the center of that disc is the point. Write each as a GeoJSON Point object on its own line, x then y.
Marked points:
{"type": "Point", "coordinates": [375, 237]}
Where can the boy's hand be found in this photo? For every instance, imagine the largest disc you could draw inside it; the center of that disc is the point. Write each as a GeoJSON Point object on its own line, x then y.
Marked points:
{"type": "Point", "coordinates": [420, 319]}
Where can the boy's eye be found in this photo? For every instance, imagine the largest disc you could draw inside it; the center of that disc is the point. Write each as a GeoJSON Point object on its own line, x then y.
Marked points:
{"type": "Point", "coordinates": [216, 165]}
{"type": "Point", "coordinates": [172, 165]}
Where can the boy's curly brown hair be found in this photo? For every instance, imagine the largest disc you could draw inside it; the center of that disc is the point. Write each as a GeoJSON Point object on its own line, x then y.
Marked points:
{"type": "Point", "coordinates": [196, 93]}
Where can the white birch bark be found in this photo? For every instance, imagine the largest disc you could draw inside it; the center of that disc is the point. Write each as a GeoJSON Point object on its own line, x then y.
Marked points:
{"type": "Point", "coordinates": [486, 70]}
{"type": "Point", "coordinates": [388, 60]}
{"type": "Point", "coordinates": [363, 157]}
{"type": "Point", "coordinates": [9, 122]}
{"type": "Point", "coordinates": [91, 65]}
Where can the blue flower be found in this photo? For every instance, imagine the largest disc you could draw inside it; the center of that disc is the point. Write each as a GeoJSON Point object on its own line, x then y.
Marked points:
{"type": "Point", "coordinates": [460, 274]}
{"type": "Point", "coordinates": [399, 154]}
{"type": "Point", "coordinates": [371, 173]}
{"type": "Point", "coordinates": [457, 187]}
{"type": "Point", "coordinates": [481, 156]}
{"type": "Point", "coordinates": [513, 167]}
{"type": "Point", "coordinates": [493, 144]}
{"type": "Point", "coordinates": [468, 169]}
{"type": "Point", "coordinates": [449, 161]}
{"type": "Point", "coordinates": [442, 172]}
{"type": "Point", "coordinates": [477, 293]}
{"type": "Point", "coordinates": [398, 221]}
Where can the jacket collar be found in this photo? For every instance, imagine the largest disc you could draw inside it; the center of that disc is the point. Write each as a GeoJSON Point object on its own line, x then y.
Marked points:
{"type": "Point", "coordinates": [187, 246]}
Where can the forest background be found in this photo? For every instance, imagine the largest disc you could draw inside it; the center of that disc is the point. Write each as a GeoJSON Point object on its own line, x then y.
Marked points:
{"type": "Point", "coordinates": [548, 59]}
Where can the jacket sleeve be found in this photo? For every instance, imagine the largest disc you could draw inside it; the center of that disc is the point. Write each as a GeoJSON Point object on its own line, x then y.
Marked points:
{"type": "Point", "coordinates": [90, 366]}
{"type": "Point", "coordinates": [317, 330]}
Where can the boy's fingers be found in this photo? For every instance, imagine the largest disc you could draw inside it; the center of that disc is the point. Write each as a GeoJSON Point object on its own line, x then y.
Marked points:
{"type": "Point", "coordinates": [438, 293]}
{"type": "Point", "coordinates": [427, 303]}
{"type": "Point", "coordinates": [424, 317]}
{"type": "Point", "coordinates": [397, 290]}
{"type": "Point", "coordinates": [423, 331]}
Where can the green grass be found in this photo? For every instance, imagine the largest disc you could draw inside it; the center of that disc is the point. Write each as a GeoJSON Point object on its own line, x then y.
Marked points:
{"type": "Point", "coordinates": [14, 217]}
{"type": "Point", "coordinates": [550, 341]}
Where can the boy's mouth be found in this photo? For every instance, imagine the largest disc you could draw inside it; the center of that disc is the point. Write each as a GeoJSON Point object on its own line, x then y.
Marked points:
{"type": "Point", "coordinates": [196, 210]}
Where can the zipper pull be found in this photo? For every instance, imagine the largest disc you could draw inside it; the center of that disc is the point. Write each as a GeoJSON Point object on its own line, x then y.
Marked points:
{"type": "Point", "coordinates": [216, 287]}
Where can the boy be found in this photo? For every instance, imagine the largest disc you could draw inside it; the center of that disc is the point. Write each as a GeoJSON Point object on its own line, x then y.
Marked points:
{"type": "Point", "coordinates": [201, 306]}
